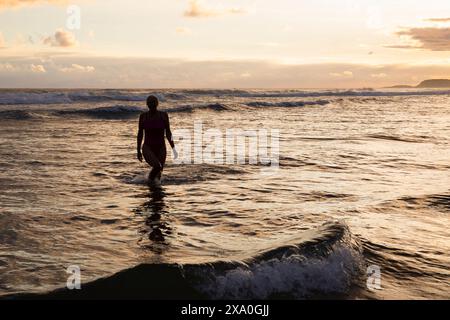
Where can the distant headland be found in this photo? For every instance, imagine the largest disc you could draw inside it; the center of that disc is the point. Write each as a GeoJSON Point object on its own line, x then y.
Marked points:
{"type": "Point", "coordinates": [432, 83]}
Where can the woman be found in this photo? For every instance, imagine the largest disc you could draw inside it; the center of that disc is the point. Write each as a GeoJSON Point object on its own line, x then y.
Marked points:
{"type": "Point", "coordinates": [155, 124]}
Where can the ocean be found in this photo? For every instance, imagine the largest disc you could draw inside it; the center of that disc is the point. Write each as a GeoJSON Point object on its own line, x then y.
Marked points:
{"type": "Point", "coordinates": [357, 207]}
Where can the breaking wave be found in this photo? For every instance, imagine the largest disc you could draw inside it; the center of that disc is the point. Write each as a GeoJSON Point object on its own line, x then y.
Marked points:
{"type": "Point", "coordinates": [287, 104]}
{"type": "Point", "coordinates": [109, 112]}
{"type": "Point", "coordinates": [35, 97]}
{"type": "Point", "coordinates": [326, 262]}
{"type": "Point", "coordinates": [113, 112]}
{"type": "Point", "coordinates": [191, 108]}
{"type": "Point", "coordinates": [316, 93]}
{"type": "Point", "coordinates": [22, 115]}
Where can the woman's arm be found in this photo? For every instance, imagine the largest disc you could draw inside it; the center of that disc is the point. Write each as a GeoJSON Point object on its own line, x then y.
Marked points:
{"type": "Point", "coordinates": [168, 132]}
{"type": "Point", "coordinates": [140, 136]}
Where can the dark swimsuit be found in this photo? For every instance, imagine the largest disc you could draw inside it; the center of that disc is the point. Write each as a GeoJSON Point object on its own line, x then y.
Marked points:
{"type": "Point", "coordinates": [154, 136]}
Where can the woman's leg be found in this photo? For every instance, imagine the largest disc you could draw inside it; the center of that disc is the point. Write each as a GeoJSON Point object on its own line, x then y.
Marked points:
{"type": "Point", "coordinates": [153, 161]}
{"type": "Point", "coordinates": [162, 154]}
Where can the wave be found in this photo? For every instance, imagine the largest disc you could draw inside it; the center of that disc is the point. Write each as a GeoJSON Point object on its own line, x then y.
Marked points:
{"type": "Point", "coordinates": [109, 112]}
{"type": "Point", "coordinates": [439, 202]}
{"type": "Point", "coordinates": [92, 96]}
{"type": "Point", "coordinates": [400, 263]}
{"type": "Point", "coordinates": [22, 115]}
{"type": "Point", "coordinates": [34, 97]}
{"type": "Point", "coordinates": [315, 93]}
{"type": "Point", "coordinates": [112, 112]}
{"type": "Point", "coordinates": [410, 139]}
{"type": "Point", "coordinates": [323, 263]}
{"type": "Point", "coordinates": [287, 104]}
{"type": "Point", "coordinates": [326, 262]}
{"type": "Point", "coordinates": [193, 107]}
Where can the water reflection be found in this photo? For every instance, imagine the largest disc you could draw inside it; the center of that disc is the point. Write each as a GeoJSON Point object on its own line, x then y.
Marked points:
{"type": "Point", "coordinates": [156, 227]}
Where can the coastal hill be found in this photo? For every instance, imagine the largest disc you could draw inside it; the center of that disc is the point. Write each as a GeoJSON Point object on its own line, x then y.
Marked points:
{"type": "Point", "coordinates": [432, 83]}
{"type": "Point", "coordinates": [435, 83]}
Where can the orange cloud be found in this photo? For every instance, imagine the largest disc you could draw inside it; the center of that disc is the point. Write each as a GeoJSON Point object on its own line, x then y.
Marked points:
{"type": "Point", "coordinates": [379, 75]}
{"type": "Point", "coordinates": [2, 41]}
{"type": "Point", "coordinates": [345, 74]}
{"type": "Point", "coordinates": [78, 68]}
{"type": "Point", "coordinates": [434, 39]}
{"type": "Point", "coordinates": [438, 19]}
{"type": "Point", "coordinates": [19, 3]}
{"type": "Point", "coordinates": [61, 38]}
{"type": "Point", "coordinates": [183, 30]}
{"type": "Point", "coordinates": [107, 72]}
{"type": "Point", "coordinates": [37, 68]}
{"type": "Point", "coordinates": [8, 67]}
{"type": "Point", "coordinates": [197, 10]}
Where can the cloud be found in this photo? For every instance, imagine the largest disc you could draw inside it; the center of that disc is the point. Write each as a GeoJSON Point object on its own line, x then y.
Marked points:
{"type": "Point", "coordinates": [37, 68]}
{"type": "Point", "coordinates": [237, 11]}
{"type": "Point", "coordinates": [179, 73]}
{"type": "Point", "coordinates": [438, 20]}
{"type": "Point", "coordinates": [434, 39]}
{"type": "Point", "coordinates": [403, 46]}
{"type": "Point", "coordinates": [379, 75]}
{"type": "Point", "coordinates": [2, 41]}
{"type": "Point", "coordinates": [78, 68]}
{"type": "Point", "coordinates": [197, 10]}
{"type": "Point", "coordinates": [345, 74]}
{"type": "Point", "coordinates": [21, 3]}
{"type": "Point", "coordinates": [61, 38]}
{"type": "Point", "coordinates": [183, 30]}
{"type": "Point", "coordinates": [6, 67]}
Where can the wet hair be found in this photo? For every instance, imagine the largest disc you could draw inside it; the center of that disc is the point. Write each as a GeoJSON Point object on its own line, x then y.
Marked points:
{"type": "Point", "coordinates": [152, 102]}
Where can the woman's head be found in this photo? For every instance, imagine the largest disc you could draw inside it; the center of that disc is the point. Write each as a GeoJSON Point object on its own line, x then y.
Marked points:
{"type": "Point", "coordinates": [152, 103]}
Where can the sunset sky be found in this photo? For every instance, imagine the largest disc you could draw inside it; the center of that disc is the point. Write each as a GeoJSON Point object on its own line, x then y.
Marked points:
{"type": "Point", "coordinates": [218, 43]}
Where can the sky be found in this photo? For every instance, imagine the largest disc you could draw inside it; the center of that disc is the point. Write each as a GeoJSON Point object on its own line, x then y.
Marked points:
{"type": "Point", "coordinates": [222, 43]}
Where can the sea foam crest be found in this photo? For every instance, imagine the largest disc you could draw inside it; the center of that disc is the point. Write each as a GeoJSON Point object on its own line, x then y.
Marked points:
{"type": "Point", "coordinates": [326, 266]}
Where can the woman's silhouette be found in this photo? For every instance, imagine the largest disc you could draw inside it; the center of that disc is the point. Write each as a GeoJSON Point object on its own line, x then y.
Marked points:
{"type": "Point", "coordinates": [154, 124]}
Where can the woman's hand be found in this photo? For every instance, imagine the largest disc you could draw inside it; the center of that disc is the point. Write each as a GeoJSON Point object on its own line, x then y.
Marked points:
{"type": "Point", "coordinates": [175, 153]}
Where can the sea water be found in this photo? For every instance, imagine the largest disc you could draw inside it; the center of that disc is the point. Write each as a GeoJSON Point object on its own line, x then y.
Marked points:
{"type": "Point", "coordinates": [362, 184]}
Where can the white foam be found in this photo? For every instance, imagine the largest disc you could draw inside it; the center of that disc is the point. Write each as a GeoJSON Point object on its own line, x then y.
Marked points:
{"type": "Point", "coordinates": [287, 104]}
{"type": "Point", "coordinates": [294, 275]}
{"type": "Point", "coordinates": [141, 178]}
